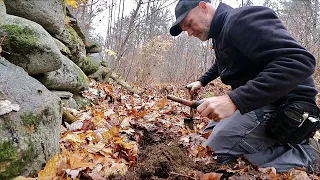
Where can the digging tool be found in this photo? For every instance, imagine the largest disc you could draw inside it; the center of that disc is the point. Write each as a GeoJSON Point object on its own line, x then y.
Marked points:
{"type": "Point", "coordinates": [192, 104]}
{"type": "Point", "coordinates": [188, 122]}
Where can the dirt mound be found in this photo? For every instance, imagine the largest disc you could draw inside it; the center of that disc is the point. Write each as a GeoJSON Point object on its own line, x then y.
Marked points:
{"type": "Point", "coordinates": [162, 159]}
{"type": "Point", "coordinates": [165, 161]}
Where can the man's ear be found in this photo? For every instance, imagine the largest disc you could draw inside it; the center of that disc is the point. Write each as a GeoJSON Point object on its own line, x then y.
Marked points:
{"type": "Point", "coordinates": [203, 6]}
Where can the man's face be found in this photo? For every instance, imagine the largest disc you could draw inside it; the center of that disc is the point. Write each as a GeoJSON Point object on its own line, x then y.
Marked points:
{"type": "Point", "coordinates": [196, 23]}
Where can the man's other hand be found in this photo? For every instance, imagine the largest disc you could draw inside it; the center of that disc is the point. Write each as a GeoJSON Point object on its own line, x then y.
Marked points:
{"type": "Point", "coordinates": [217, 108]}
{"type": "Point", "coordinates": [194, 86]}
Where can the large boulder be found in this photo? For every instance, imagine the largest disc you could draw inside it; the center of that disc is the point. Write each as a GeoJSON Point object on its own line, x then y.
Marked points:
{"type": "Point", "coordinates": [93, 47]}
{"type": "Point", "coordinates": [82, 102]}
{"type": "Point", "coordinates": [70, 38]}
{"type": "Point", "coordinates": [68, 78]}
{"type": "Point", "coordinates": [49, 14]}
{"type": "Point", "coordinates": [77, 27]}
{"type": "Point", "coordinates": [101, 75]}
{"type": "Point", "coordinates": [88, 65]}
{"type": "Point", "coordinates": [63, 48]}
{"type": "Point", "coordinates": [29, 46]}
{"type": "Point", "coordinates": [2, 12]}
{"type": "Point", "coordinates": [96, 57]}
{"type": "Point", "coordinates": [30, 136]}
{"type": "Point", "coordinates": [66, 99]}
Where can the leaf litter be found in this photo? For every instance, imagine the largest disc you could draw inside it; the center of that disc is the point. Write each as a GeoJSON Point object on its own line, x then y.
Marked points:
{"type": "Point", "coordinates": [129, 136]}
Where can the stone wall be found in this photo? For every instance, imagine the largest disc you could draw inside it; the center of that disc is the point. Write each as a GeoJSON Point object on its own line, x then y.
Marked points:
{"type": "Point", "coordinates": [42, 58]}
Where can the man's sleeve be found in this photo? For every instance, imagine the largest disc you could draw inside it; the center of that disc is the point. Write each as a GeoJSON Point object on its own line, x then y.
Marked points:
{"type": "Point", "coordinates": [260, 35]}
{"type": "Point", "coordinates": [210, 75]}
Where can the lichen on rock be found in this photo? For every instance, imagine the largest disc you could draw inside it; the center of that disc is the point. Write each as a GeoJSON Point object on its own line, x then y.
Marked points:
{"type": "Point", "coordinates": [88, 66]}
{"type": "Point", "coordinates": [19, 39]}
{"type": "Point", "coordinates": [29, 119]}
{"type": "Point", "coordinates": [29, 46]}
{"type": "Point", "coordinates": [13, 164]}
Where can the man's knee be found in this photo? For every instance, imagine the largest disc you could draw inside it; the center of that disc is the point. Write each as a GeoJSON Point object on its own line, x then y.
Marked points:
{"type": "Point", "coordinates": [220, 142]}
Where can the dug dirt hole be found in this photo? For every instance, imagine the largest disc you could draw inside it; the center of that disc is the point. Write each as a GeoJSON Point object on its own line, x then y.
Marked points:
{"type": "Point", "coordinates": [161, 159]}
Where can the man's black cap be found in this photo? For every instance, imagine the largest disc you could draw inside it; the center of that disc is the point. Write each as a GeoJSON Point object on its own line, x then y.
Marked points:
{"type": "Point", "coordinates": [182, 9]}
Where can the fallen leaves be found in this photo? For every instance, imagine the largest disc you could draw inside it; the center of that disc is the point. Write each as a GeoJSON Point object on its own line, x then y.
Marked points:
{"type": "Point", "coordinates": [211, 176]}
{"type": "Point", "coordinates": [49, 172]}
{"type": "Point", "coordinates": [105, 139]}
{"type": "Point", "coordinates": [72, 3]}
{"type": "Point", "coordinates": [162, 102]}
{"type": "Point", "coordinates": [111, 53]}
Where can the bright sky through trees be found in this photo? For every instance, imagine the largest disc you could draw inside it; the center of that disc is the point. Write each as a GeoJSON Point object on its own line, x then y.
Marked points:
{"type": "Point", "coordinates": [100, 22]}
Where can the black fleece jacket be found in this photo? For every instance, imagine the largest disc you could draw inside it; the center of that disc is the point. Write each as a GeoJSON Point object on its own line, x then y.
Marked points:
{"type": "Point", "coordinates": [257, 56]}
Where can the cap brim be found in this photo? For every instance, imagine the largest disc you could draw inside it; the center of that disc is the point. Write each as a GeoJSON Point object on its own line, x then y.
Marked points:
{"type": "Point", "coordinates": [175, 29]}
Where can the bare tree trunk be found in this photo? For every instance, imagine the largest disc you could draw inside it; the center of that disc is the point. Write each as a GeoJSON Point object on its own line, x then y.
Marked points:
{"type": "Point", "coordinates": [118, 39]}
{"type": "Point", "coordinates": [121, 21]}
{"type": "Point", "coordinates": [147, 35]}
{"type": "Point", "coordinates": [89, 19]}
{"type": "Point", "coordinates": [131, 26]}
{"type": "Point", "coordinates": [315, 19]}
{"type": "Point", "coordinates": [131, 64]}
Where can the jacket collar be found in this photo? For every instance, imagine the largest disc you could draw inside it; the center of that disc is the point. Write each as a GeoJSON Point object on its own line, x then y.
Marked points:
{"type": "Point", "coordinates": [218, 20]}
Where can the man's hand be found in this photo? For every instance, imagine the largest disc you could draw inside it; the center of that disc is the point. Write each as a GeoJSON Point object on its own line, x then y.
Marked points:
{"type": "Point", "coordinates": [217, 108]}
{"type": "Point", "coordinates": [194, 86]}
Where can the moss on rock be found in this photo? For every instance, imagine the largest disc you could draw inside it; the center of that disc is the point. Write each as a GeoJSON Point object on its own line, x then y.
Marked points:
{"type": "Point", "coordinates": [83, 78]}
{"type": "Point", "coordinates": [29, 119]}
{"type": "Point", "coordinates": [8, 157]}
{"type": "Point", "coordinates": [19, 39]}
{"type": "Point", "coordinates": [88, 66]}
{"type": "Point", "coordinates": [12, 164]}
{"type": "Point", "coordinates": [63, 2]}
{"type": "Point", "coordinates": [93, 47]}
{"type": "Point", "coordinates": [76, 46]}
{"type": "Point", "coordinates": [7, 121]}
{"type": "Point", "coordinates": [74, 34]}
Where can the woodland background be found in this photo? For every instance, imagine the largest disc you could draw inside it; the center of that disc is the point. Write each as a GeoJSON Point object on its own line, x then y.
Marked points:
{"type": "Point", "coordinates": [137, 44]}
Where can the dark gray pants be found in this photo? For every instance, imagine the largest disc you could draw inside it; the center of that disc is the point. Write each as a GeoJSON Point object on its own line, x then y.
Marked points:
{"type": "Point", "coordinates": [247, 135]}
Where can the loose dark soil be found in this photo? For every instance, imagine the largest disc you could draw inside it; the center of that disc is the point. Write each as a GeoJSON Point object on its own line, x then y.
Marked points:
{"type": "Point", "coordinates": [162, 159]}
{"type": "Point", "coordinates": [166, 160]}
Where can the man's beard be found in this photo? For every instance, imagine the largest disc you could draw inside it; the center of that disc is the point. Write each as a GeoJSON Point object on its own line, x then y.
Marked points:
{"type": "Point", "coordinates": [206, 28]}
{"type": "Point", "coordinates": [205, 34]}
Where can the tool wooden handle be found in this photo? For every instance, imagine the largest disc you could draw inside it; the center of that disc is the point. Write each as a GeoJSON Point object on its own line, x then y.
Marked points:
{"type": "Point", "coordinates": [192, 104]}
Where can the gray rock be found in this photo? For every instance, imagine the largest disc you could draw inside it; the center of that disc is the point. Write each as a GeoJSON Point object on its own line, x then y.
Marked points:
{"type": "Point", "coordinates": [48, 13]}
{"type": "Point", "coordinates": [68, 78]}
{"type": "Point", "coordinates": [62, 94]}
{"type": "Point", "coordinates": [93, 47]}
{"type": "Point", "coordinates": [70, 103]}
{"type": "Point", "coordinates": [2, 12]}
{"type": "Point", "coordinates": [30, 136]}
{"type": "Point", "coordinates": [88, 65]}
{"type": "Point", "coordinates": [77, 27]}
{"type": "Point", "coordinates": [29, 45]}
{"type": "Point", "coordinates": [101, 75]}
{"type": "Point", "coordinates": [96, 57]}
{"type": "Point", "coordinates": [81, 101]}
{"type": "Point", "coordinates": [66, 99]}
{"type": "Point", "coordinates": [76, 46]}
{"type": "Point", "coordinates": [63, 49]}
{"type": "Point", "coordinates": [78, 52]}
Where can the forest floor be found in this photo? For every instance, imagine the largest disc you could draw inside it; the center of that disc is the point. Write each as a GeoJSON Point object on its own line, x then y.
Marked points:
{"type": "Point", "coordinates": [127, 136]}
